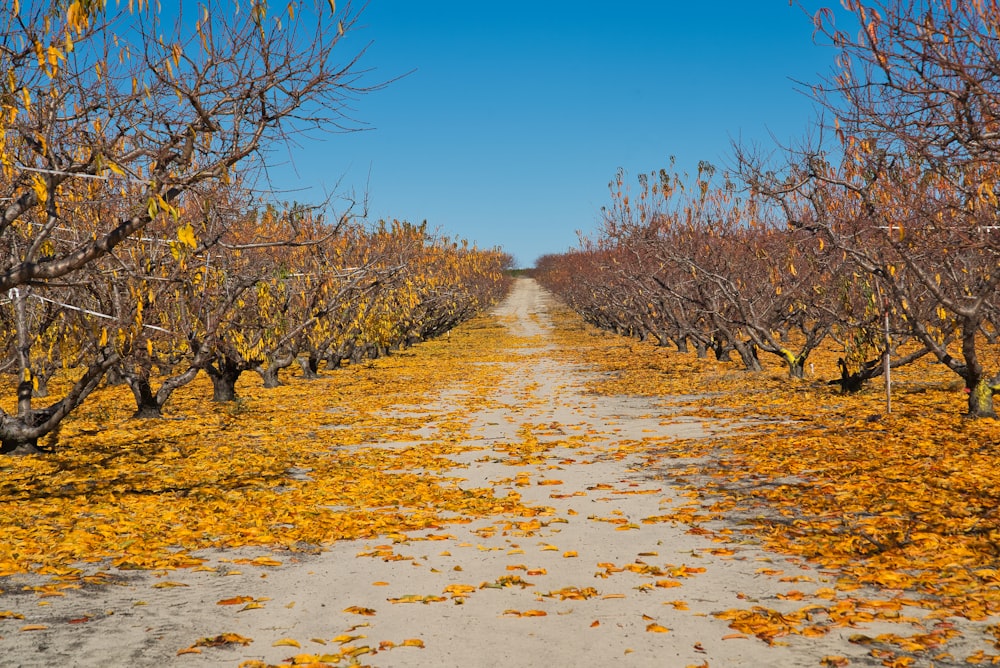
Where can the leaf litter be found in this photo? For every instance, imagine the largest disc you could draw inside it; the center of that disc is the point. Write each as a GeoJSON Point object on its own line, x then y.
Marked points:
{"type": "Point", "coordinates": [902, 506]}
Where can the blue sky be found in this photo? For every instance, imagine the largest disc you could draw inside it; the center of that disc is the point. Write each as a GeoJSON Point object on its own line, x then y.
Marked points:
{"type": "Point", "coordinates": [515, 116]}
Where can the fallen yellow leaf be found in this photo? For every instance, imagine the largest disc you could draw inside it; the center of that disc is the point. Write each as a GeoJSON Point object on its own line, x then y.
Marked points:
{"type": "Point", "coordinates": [358, 610]}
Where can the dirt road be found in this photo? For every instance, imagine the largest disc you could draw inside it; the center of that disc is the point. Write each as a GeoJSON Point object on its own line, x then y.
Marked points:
{"type": "Point", "coordinates": [584, 582]}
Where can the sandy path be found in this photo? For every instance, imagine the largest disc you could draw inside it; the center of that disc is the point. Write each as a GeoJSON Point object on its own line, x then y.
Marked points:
{"type": "Point", "coordinates": [592, 537]}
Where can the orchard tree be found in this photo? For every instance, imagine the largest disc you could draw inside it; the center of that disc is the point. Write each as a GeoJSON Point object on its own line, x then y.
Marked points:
{"type": "Point", "coordinates": [916, 100]}
{"type": "Point", "coordinates": [132, 103]}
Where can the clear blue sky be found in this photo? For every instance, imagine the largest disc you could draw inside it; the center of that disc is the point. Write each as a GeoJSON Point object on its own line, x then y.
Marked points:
{"type": "Point", "coordinates": [517, 114]}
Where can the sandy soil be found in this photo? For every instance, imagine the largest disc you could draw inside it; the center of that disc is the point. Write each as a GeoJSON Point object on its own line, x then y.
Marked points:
{"type": "Point", "coordinates": [598, 499]}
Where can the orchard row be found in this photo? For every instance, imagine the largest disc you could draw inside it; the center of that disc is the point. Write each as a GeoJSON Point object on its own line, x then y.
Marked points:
{"type": "Point", "coordinates": [882, 232]}
{"type": "Point", "coordinates": [223, 289]}
{"type": "Point", "coordinates": [139, 238]}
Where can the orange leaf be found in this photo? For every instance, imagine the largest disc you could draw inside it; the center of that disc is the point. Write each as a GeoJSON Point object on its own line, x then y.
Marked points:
{"type": "Point", "coordinates": [656, 628]}
{"type": "Point", "coordinates": [236, 600]}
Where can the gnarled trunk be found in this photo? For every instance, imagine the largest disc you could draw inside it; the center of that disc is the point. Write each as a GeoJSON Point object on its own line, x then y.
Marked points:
{"type": "Point", "coordinates": [309, 366]}
{"type": "Point", "coordinates": [748, 355]}
{"type": "Point", "coordinates": [722, 350]}
{"type": "Point", "coordinates": [19, 433]}
{"type": "Point", "coordinates": [796, 363]}
{"type": "Point", "coordinates": [269, 373]}
{"type": "Point", "coordinates": [224, 374]}
{"type": "Point", "coordinates": [145, 400]}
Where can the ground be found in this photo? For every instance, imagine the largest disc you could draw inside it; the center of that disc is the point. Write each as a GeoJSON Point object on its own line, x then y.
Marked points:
{"type": "Point", "coordinates": [594, 574]}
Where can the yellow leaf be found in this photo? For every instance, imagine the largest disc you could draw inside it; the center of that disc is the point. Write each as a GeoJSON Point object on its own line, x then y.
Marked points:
{"type": "Point", "coordinates": [656, 628]}
{"type": "Point", "coordinates": [34, 627]}
{"type": "Point", "coordinates": [265, 561]}
{"type": "Point", "coordinates": [185, 234]}
{"type": "Point", "coordinates": [286, 642]}
{"type": "Point", "coordinates": [459, 589]}
{"type": "Point", "coordinates": [40, 187]}
{"type": "Point", "coordinates": [358, 610]}
{"type": "Point", "coordinates": [412, 642]}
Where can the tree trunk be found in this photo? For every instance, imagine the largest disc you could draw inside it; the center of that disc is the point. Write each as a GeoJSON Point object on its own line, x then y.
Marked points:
{"type": "Point", "coordinates": [114, 376]}
{"type": "Point", "coordinates": [275, 363]}
{"type": "Point", "coordinates": [269, 375]}
{"type": "Point", "coordinates": [224, 374]}
{"type": "Point", "coordinates": [796, 363]}
{"type": "Point", "coordinates": [14, 436]}
{"type": "Point", "coordinates": [146, 404]}
{"type": "Point", "coordinates": [722, 350]}
{"type": "Point", "coordinates": [748, 355]}
{"type": "Point", "coordinates": [310, 367]}
{"type": "Point", "coordinates": [700, 349]}
{"type": "Point", "coordinates": [681, 342]}
{"type": "Point", "coordinates": [15, 446]}
{"type": "Point", "coordinates": [981, 398]}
